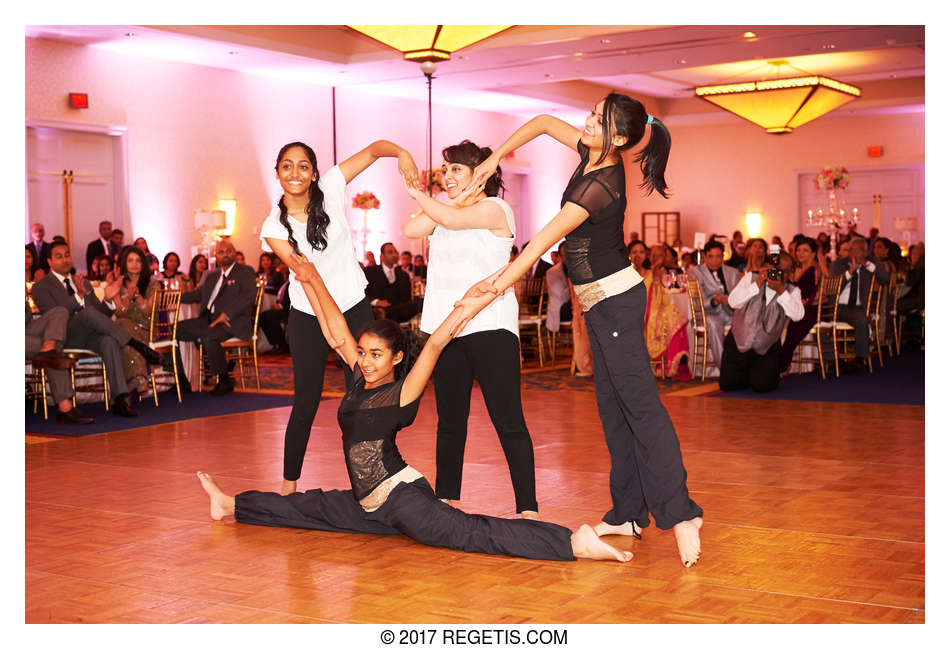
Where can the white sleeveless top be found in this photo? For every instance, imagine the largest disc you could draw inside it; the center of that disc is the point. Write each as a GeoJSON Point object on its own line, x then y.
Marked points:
{"type": "Point", "coordinates": [336, 263]}
{"type": "Point", "coordinates": [457, 260]}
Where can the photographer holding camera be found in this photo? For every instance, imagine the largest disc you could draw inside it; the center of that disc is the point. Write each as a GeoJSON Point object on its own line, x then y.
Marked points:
{"type": "Point", "coordinates": [761, 302]}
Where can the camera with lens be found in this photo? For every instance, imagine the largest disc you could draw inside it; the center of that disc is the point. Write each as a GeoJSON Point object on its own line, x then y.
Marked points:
{"type": "Point", "coordinates": [774, 272]}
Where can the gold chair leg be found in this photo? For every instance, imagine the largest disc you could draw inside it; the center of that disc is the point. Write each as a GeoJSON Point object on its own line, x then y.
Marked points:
{"type": "Point", "coordinates": [175, 371]}
{"type": "Point", "coordinates": [705, 352]}
{"type": "Point", "coordinates": [105, 385]}
{"type": "Point", "coordinates": [201, 367]}
{"type": "Point", "coordinates": [72, 382]}
{"type": "Point", "coordinates": [154, 387]}
{"type": "Point", "coordinates": [257, 371]}
{"type": "Point", "coordinates": [42, 383]}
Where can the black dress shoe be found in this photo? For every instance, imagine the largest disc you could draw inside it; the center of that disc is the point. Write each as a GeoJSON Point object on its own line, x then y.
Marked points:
{"type": "Point", "coordinates": [223, 387]}
{"type": "Point", "coordinates": [53, 360]}
{"type": "Point", "coordinates": [121, 407]}
{"type": "Point", "coordinates": [74, 416]}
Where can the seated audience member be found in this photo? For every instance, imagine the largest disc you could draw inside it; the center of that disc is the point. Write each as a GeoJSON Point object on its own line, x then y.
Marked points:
{"type": "Point", "coordinates": [272, 319]}
{"type": "Point", "coordinates": [716, 281]}
{"type": "Point", "coordinates": [913, 298]}
{"type": "Point", "coordinates": [777, 240]}
{"type": "Point", "coordinates": [45, 337]}
{"type": "Point", "coordinates": [638, 255]}
{"type": "Point", "coordinates": [107, 272]}
{"type": "Point", "coordinates": [390, 287]}
{"type": "Point", "coordinates": [541, 268]}
{"type": "Point", "coordinates": [171, 275]}
{"type": "Point", "coordinates": [134, 312]}
{"type": "Point", "coordinates": [670, 259]}
{"type": "Point", "coordinates": [857, 271]}
{"type": "Point", "coordinates": [239, 258]}
{"type": "Point", "coordinates": [90, 322]}
{"type": "Point", "coordinates": [752, 350]}
{"type": "Point", "coordinates": [34, 272]}
{"type": "Point", "coordinates": [514, 253]}
{"type": "Point", "coordinates": [665, 326]}
{"type": "Point", "coordinates": [883, 254]}
{"type": "Point", "coordinates": [38, 246]}
{"type": "Point", "coordinates": [370, 259]}
{"type": "Point", "coordinates": [151, 261]}
{"type": "Point", "coordinates": [688, 261]}
{"type": "Point", "coordinates": [226, 300]}
{"type": "Point", "coordinates": [197, 270]}
{"type": "Point", "coordinates": [559, 294]}
{"type": "Point", "coordinates": [736, 250]}
{"type": "Point", "coordinates": [267, 273]}
{"type": "Point", "coordinates": [118, 238]}
{"type": "Point", "coordinates": [405, 262]}
{"type": "Point", "coordinates": [419, 267]}
{"type": "Point", "coordinates": [755, 255]}
{"type": "Point", "coordinates": [807, 277]}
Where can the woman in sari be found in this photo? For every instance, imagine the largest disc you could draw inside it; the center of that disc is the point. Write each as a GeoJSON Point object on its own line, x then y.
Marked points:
{"type": "Point", "coordinates": [665, 327]}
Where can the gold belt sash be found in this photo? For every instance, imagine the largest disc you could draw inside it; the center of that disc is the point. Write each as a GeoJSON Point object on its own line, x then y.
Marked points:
{"type": "Point", "coordinates": [593, 292]}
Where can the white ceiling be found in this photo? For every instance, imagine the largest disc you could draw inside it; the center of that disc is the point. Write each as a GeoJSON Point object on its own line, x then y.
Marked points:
{"type": "Point", "coordinates": [561, 69]}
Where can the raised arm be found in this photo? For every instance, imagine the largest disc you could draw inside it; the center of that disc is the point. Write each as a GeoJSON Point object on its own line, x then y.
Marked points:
{"type": "Point", "coordinates": [299, 265]}
{"type": "Point", "coordinates": [358, 163]}
{"type": "Point", "coordinates": [332, 323]}
{"type": "Point", "coordinates": [540, 125]}
{"type": "Point", "coordinates": [418, 226]}
{"type": "Point", "coordinates": [482, 215]}
{"type": "Point", "coordinates": [419, 375]}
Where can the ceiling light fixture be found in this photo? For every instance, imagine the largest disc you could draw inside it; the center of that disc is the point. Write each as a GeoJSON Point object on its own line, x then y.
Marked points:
{"type": "Point", "coordinates": [433, 43]}
{"type": "Point", "coordinates": [781, 104]}
{"type": "Point", "coordinates": [749, 35]}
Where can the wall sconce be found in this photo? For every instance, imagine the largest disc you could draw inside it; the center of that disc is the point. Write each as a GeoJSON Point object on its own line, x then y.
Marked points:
{"type": "Point", "coordinates": [753, 222]}
{"type": "Point", "coordinates": [229, 207]}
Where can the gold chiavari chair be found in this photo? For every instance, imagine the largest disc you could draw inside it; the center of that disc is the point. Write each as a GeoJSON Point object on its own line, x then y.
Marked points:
{"type": "Point", "coordinates": [697, 316]}
{"type": "Point", "coordinates": [239, 350]}
{"type": "Point", "coordinates": [162, 336]}
{"type": "Point", "coordinates": [36, 386]}
{"type": "Point", "coordinates": [89, 365]}
{"type": "Point", "coordinates": [875, 322]}
{"type": "Point", "coordinates": [825, 330]}
{"type": "Point", "coordinates": [532, 300]}
{"type": "Point", "coordinates": [894, 340]}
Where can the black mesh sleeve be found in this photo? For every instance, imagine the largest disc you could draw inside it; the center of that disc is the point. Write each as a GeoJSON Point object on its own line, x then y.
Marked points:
{"type": "Point", "coordinates": [591, 194]}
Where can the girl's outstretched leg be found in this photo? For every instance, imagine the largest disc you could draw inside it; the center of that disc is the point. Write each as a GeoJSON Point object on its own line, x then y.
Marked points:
{"type": "Point", "coordinates": [587, 545]}
{"type": "Point", "coordinates": [221, 504]}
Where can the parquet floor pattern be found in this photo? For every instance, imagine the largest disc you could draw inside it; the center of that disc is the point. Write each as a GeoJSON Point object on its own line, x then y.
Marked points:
{"type": "Point", "coordinates": [117, 527]}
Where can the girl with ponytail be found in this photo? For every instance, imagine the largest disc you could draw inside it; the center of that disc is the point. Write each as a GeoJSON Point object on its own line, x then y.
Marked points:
{"type": "Point", "coordinates": [647, 475]}
{"type": "Point", "coordinates": [309, 223]}
{"type": "Point", "coordinates": [388, 496]}
{"type": "Point", "coordinates": [470, 238]}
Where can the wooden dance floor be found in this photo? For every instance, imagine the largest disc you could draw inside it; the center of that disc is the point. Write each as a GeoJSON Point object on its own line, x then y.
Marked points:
{"type": "Point", "coordinates": [814, 513]}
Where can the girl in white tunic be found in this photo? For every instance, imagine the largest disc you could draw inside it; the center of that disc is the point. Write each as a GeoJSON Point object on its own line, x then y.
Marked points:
{"type": "Point", "coordinates": [471, 239]}
{"type": "Point", "coordinates": [310, 220]}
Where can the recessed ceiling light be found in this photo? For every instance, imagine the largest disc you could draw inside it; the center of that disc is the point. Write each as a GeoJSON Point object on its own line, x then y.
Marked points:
{"type": "Point", "coordinates": [233, 52]}
{"type": "Point", "coordinates": [462, 57]}
{"type": "Point", "coordinates": [547, 76]}
{"type": "Point", "coordinates": [749, 35]}
{"type": "Point", "coordinates": [682, 61]}
{"type": "Point", "coordinates": [829, 46]}
{"type": "Point", "coordinates": [605, 41]}
{"type": "Point", "coordinates": [130, 34]}
{"type": "Point", "coordinates": [578, 54]}
{"type": "Point", "coordinates": [891, 41]}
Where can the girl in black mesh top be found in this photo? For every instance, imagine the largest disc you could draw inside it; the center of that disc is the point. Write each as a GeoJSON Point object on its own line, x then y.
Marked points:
{"type": "Point", "coordinates": [646, 473]}
{"type": "Point", "coordinates": [389, 496]}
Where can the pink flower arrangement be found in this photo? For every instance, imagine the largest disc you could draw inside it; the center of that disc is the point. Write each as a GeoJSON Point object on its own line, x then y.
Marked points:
{"type": "Point", "coordinates": [832, 178]}
{"type": "Point", "coordinates": [366, 201]}
{"type": "Point", "coordinates": [432, 178]}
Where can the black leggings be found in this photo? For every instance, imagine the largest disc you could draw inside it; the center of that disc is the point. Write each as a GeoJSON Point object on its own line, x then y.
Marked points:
{"type": "Point", "coordinates": [492, 357]}
{"type": "Point", "coordinates": [309, 351]}
{"type": "Point", "coordinates": [646, 465]}
{"type": "Point", "coordinates": [411, 509]}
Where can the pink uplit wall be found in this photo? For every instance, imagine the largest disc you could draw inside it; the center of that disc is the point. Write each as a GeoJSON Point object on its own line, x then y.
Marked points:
{"type": "Point", "coordinates": [720, 170]}
{"type": "Point", "coordinates": [199, 134]}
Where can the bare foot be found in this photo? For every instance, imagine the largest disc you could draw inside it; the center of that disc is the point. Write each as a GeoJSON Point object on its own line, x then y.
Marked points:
{"type": "Point", "coordinates": [221, 504]}
{"type": "Point", "coordinates": [288, 487]}
{"type": "Point", "coordinates": [530, 515]}
{"type": "Point", "coordinates": [687, 540]}
{"type": "Point", "coordinates": [587, 545]}
{"type": "Point", "coordinates": [627, 529]}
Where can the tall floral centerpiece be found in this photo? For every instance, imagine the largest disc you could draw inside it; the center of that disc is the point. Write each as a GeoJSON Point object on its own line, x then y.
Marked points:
{"type": "Point", "coordinates": [833, 180]}
{"type": "Point", "coordinates": [365, 201]}
{"type": "Point", "coordinates": [432, 181]}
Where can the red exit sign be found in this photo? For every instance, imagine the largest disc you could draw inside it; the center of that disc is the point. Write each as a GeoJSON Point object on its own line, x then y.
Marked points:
{"type": "Point", "coordinates": [78, 100]}
{"type": "Point", "coordinates": [875, 151]}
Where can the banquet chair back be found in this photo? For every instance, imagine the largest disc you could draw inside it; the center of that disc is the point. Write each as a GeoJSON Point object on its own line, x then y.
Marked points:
{"type": "Point", "coordinates": [532, 302]}
{"type": "Point", "coordinates": [238, 350]}
{"type": "Point", "coordinates": [875, 321]}
{"type": "Point", "coordinates": [162, 337]}
{"type": "Point", "coordinates": [697, 316]}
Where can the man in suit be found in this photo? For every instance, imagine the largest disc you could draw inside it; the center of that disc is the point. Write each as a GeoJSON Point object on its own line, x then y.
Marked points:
{"type": "Point", "coordinates": [90, 323]}
{"type": "Point", "coordinates": [104, 245]}
{"type": "Point", "coordinates": [45, 337]}
{"type": "Point", "coordinates": [389, 286]}
{"type": "Point", "coordinates": [857, 271]}
{"type": "Point", "coordinates": [227, 311]}
{"type": "Point", "coordinates": [38, 246]}
{"type": "Point", "coordinates": [716, 280]}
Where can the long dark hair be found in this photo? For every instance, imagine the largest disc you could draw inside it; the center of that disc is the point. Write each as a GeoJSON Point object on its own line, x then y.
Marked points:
{"type": "Point", "coordinates": [144, 273]}
{"type": "Point", "coordinates": [165, 262]}
{"type": "Point", "coordinates": [317, 218]}
{"type": "Point", "coordinates": [471, 155]}
{"type": "Point", "coordinates": [627, 117]}
{"type": "Point", "coordinates": [193, 268]}
{"type": "Point", "coordinates": [398, 340]}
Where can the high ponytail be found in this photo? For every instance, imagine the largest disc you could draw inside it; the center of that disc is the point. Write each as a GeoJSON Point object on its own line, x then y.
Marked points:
{"type": "Point", "coordinates": [627, 117]}
{"type": "Point", "coordinates": [317, 218]}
